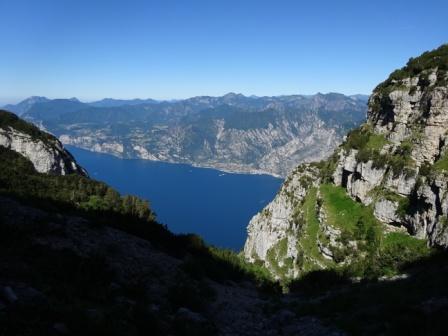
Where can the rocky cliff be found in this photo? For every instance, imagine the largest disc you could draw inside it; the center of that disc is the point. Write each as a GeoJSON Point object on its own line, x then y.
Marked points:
{"type": "Point", "coordinates": [386, 182]}
{"type": "Point", "coordinates": [45, 151]}
{"type": "Point", "coordinates": [397, 161]}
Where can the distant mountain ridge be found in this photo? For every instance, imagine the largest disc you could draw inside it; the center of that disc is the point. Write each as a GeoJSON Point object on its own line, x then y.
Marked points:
{"type": "Point", "coordinates": [25, 105]}
{"type": "Point", "coordinates": [232, 132]}
{"type": "Point", "coordinates": [110, 102]}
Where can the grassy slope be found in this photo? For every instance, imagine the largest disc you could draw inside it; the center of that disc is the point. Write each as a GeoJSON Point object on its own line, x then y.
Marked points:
{"type": "Point", "coordinates": [341, 210]}
{"type": "Point", "coordinates": [312, 259]}
{"type": "Point", "coordinates": [442, 163]}
{"type": "Point", "coordinates": [377, 253]}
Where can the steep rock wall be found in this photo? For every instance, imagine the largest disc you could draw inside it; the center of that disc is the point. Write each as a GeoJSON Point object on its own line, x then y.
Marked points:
{"type": "Point", "coordinates": [46, 157]}
{"type": "Point", "coordinates": [393, 170]}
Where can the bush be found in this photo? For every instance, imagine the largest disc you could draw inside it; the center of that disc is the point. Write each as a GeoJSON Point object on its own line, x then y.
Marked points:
{"type": "Point", "coordinates": [357, 139]}
{"type": "Point", "coordinates": [194, 295]}
{"type": "Point", "coordinates": [437, 58]}
{"type": "Point", "coordinates": [425, 169]}
{"type": "Point", "coordinates": [403, 207]}
{"type": "Point", "coordinates": [327, 168]}
{"type": "Point", "coordinates": [18, 177]}
{"type": "Point", "coordinates": [318, 282]}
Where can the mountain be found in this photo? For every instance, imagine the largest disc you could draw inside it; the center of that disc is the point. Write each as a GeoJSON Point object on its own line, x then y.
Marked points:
{"type": "Point", "coordinates": [25, 105]}
{"type": "Point", "coordinates": [110, 102]}
{"type": "Point", "coordinates": [383, 190]}
{"type": "Point", "coordinates": [53, 108]}
{"type": "Point", "coordinates": [78, 258]}
{"type": "Point", "coordinates": [360, 97]}
{"type": "Point", "coordinates": [232, 132]}
{"type": "Point", "coordinates": [376, 209]}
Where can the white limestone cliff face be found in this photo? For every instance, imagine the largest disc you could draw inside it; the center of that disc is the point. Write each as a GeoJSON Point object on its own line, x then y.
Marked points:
{"type": "Point", "coordinates": [276, 222]}
{"type": "Point", "coordinates": [393, 167]}
{"type": "Point", "coordinates": [278, 236]}
{"type": "Point", "coordinates": [386, 211]}
{"type": "Point", "coordinates": [409, 114]}
{"type": "Point", "coordinates": [47, 157]}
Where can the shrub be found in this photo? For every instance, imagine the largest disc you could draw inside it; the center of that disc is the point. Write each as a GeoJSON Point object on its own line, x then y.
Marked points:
{"type": "Point", "coordinates": [318, 281]}
{"type": "Point", "coordinates": [327, 168]}
{"type": "Point", "coordinates": [425, 169]}
{"type": "Point", "coordinates": [357, 139]}
{"type": "Point", "coordinates": [437, 58]}
{"type": "Point", "coordinates": [442, 163]}
{"type": "Point", "coordinates": [194, 295]}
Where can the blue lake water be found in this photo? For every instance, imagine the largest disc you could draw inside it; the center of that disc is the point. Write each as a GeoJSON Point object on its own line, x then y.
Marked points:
{"type": "Point", "coordinates": [209, 202]}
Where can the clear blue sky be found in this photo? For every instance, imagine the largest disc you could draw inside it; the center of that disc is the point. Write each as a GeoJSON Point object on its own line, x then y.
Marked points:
{"type": "Point", "coordinates": [174, 49]}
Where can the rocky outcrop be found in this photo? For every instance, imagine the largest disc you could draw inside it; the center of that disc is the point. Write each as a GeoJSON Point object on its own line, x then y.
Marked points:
{"type": "Point", "coordinates": [410, 114]}
{"type": "Point", "coordinates": [395, 165]}
{"type": "Point", "coordinates": [45, 152]}
{"type": "Point", "coordinates": [272, 233]}
{"type": "Point", "coordinates": [386, 211]}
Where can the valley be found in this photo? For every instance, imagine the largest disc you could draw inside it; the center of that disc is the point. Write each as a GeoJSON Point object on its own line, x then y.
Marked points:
{"type": "Point", "coordinates": [351, 244]}
{"type": "Point", "coordinates": [234, 133]}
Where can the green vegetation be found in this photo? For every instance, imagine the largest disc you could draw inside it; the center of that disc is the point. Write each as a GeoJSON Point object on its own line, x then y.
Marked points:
{"type": "Point", "coordinates": [372, 252]}
{"type": "Point", "coordinates": [77, 284]}
{"type": "Point", "coordinates": [408, 306]}
{"type": "Point", "coordinates": [376, 142]}
{"type": "Point", "coordinates": [356, 223]}
{"type": "Point", "coordinates": [382, 250]}
{"type": "Point", "coordinates": [398, 249]}
{"type": "Point", "coordinates": [276, 256]}
{"type": "Point", "coordinates": [401, 160]}
{"type": "Point", "coordinates": [416, 67]}
{"type": "Point", "coordinates": [81, 196]}
{"type": "Point", "coordinates": [221, 264]}
{"type": "Point", "coordinates": [357, 138]}
{"type": "Point", "coordinates": [266, 213]}
{"type": "Point", "coordinates": [18, 177]}
{"type": "Point", "coordinates": [437, 58]}
{"type": "Point", "coordinates": [369, 145]}
{"type": "Point", "coordinates": [311, 258]}
{"type": "Point", "coordinates": [342, 211]}
{"type": "Point", "coordinates": [383, 193]}
{"type": "Point", "coordinates": [306, 181]}
{"type": "Point", "coordinates": [327, 167]}
{"type": "Point", "coordinates": [430, 171]}
{"type": "Point", "coordinates": [442, 163]}
{"type": "Point", "coordinates": [8, 119]}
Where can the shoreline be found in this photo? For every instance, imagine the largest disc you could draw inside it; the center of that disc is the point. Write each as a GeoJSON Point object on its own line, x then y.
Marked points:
{"type": "Point", "coordinates": [240, 171]}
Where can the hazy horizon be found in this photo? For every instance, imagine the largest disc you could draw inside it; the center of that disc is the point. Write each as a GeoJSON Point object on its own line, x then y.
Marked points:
{"type": "Point", "coordinates": [18, 100]}
{"type": "Point", "coordinates": [176, 50]}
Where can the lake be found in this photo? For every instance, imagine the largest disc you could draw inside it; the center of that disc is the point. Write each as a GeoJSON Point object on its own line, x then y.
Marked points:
{"type": "Point", "coordinates": [214, 204]}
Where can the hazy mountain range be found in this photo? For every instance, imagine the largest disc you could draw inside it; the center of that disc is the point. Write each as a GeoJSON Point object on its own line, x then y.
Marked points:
{"type": "Point", "coordinates": [232, 132]}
